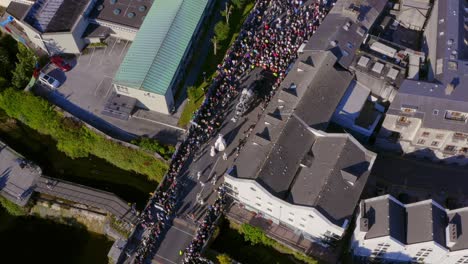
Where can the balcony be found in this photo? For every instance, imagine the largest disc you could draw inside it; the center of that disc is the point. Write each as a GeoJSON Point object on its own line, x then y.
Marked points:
{"type": "Point", "coordinates": [459, 136]}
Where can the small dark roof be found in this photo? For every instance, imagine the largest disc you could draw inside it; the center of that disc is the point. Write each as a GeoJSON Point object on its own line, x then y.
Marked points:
{"type": "Point", "coordinates": [51, 16]}
{"type": "Point", "coordinates": [105, 10]}
{"type": "Point", "coordinates": [386, 217]}
{"type": "Point", "coordinates": [96, 31]}
{"type": "Point", "coordinates": [425, 222]}
{"type": "Point", "coordinates": [346, 29]}
{"type": "Point", "coordinates": [17, 10]}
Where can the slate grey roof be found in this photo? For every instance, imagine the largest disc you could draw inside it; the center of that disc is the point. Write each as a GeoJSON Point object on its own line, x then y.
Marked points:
{"type": "Point", "coordinates": [104, 10]}
{"type": "Point", "coordinates": [425, 222]}
{"type": "Point", "coordinates": [50, 16]}
{"type": "Point", "coordinates": [347, 40]}
{"type": "Point", "coordinates": [430, 96]}
{"type": "Point", "coordinates": [386, 217]}
{"type": "Point", "coordinates": [289, 160]}
{"type": "Point", "coordinates": [18, 176]}
{"type": "Point", "coordinates": [17, 10]}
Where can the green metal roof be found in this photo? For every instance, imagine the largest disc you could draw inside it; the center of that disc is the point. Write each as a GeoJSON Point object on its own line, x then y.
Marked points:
{"type": "Point", "coordinates": [155, 54]}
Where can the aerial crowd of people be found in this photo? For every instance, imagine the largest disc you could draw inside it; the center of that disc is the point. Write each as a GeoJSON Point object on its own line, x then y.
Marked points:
{"type": "Point", "coordinates": [269, 39]}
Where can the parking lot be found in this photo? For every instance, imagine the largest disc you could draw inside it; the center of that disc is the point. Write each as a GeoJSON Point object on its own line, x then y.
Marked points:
{"type": "Point", "coordinates": [87, 87]}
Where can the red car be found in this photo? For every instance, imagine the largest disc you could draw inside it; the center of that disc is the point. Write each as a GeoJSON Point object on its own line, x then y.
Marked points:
{"type": "Point", "coordinates": [60, 63]}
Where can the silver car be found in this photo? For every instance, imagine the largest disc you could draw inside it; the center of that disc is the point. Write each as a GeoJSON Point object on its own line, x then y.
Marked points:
{"type": "Point", "coordinates": [49, 81]}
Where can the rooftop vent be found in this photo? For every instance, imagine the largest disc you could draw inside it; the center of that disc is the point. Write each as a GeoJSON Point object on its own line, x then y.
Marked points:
{"type": "Point", "coordinates": [142, 8]}
{"type": "Point", "coordinates": [117, 11]}
{"type": "Point", "coordinates": [100, 7]}
{"type": "Point", "coordinates": [334, 43]}
{"type": "Point", "coordinates": [113, 2]}
{"type": "Point", "coordinates": [131, 15]}
{"type": "Point", "coordinates": [347, 26]}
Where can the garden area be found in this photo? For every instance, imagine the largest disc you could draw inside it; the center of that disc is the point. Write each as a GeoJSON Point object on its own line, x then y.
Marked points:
{"type": "Point", "coordinates": [226, 31]}
{"type": "Point", "coordinates": [250, 245]}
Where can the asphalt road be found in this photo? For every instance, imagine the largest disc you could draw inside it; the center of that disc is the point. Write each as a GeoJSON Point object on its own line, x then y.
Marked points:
{"type": "Point", "coordinates": [176, 240]}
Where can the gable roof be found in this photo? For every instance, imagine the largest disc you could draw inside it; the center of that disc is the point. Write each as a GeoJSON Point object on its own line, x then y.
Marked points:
{"type": "Point", "coordinates": [160, 45]}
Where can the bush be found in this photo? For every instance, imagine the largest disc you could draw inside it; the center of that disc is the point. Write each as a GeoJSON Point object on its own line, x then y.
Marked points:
{"type": "Point", "coordinates": [224, 259]}
{"type": "Point", "coordinates": [11, 207]}
{"type": "Point", "coordinates": [24, 67]}
{"type": "Point", "coordinates": [75, 139]}
{"type": "Point", "coordinates": [153, 145]}
{"type": "Point", "coordinates": [221, 30]}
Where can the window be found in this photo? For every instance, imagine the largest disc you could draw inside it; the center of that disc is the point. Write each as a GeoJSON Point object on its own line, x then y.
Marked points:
{"type": "Point", "coordinates": [301, 225]}
{"type": "Point", "coordinates": [303, 219]}
{"type": "Point", "coordinates": [311, 216]}
{"type": "Point", "coordinates": [421, 141]}
{"type": "Point", "coordinates": [380, 250]}
{"type": "Point", "coordinates": [408, 110]}
{"type": "Point", "coordinates": [422, 254]}
{"type": "Point", "coordinates": [440, 136]}
{"type": "Point", "coordinates": [449, 148]}
{"type": "Point", "coordinates": [425, 134]}
{"type": "Point", "coordinates": [291, 214]}
{"type": "Point", "coordinates": [259, 205]}
{"type": "Point", "coordinates": [253, 189]}
{"type": "Point", "coordinates": [269, 210]}
{"type": "Point", "coordinates": [464, 150]}
{"type": "Point", "coordinates": [290, 220]}
{"type": "Point", "coordinates": [456, 116]}
{"type": "Point", "coordinates": [435, 144]}
{"type": "Point", "coordinates": [435, 112]}
{"type": "Point", "coordinates": [258, 198]}
{"type": "Point", "coordinates": [269, 203]}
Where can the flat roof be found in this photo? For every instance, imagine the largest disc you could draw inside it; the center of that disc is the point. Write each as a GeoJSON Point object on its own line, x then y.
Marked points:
{"type": "Point", "coordinates": [154, 57]}
{"type": "Point", "coordinates": [49, 16]}
{"type": "Point", "coordinates": [17, 10]}
{"type": "Point", "coordinates": [130, 13]}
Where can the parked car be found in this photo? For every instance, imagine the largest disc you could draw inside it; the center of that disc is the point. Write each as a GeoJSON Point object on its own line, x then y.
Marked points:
{"type": "Point", "coordinates": [60, 63]}
{"type": "Point", "coordinates": [49, 81]}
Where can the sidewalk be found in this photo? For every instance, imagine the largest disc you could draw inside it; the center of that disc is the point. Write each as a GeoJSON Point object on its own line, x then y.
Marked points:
{"type": "Point", "coordinates": [282, 234]}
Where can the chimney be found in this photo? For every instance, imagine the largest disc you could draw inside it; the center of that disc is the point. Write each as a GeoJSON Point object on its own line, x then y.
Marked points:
{"type": "Point", "coordinates": [453, 232]}
{"type": "Point", "coordinates": [449, 89]}
{"type": "Point", "coordinates": [363, 221]}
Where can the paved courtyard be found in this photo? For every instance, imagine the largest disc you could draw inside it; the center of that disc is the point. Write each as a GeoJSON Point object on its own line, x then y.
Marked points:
{"type": "Point", "coordinates": [86, 89]}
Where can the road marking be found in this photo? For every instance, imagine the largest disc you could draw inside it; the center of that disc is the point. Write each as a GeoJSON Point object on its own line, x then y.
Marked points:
{"type": "Point", "coordinates": [91, 58]}
{"type": "Point", "coordinates": [157, 122]}
{"type": "Point", "coordinates": [121, 52]}
{"type": "Point", "coordinates": [165, 258]}
{"type": "Point", "coordinates": [183, 231]}
{"type": "Point", "coordinates": [99, 85]}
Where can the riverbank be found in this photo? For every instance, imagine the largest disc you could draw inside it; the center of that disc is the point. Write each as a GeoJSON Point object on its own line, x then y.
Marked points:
{"type": "Point", "coordinates": [91, 171]}
{"type": "Point", "coordinates": [29, 239]}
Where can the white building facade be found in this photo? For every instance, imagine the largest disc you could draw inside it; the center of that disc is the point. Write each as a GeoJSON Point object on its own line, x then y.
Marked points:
{"type": "Point", "coordinates": [429, 233]}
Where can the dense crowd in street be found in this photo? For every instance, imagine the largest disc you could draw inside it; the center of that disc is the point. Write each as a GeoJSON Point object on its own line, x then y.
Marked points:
{"type": "Point", "coordinates": [193, 251]}
{"type": "Point", "coordinates": [269, 39]}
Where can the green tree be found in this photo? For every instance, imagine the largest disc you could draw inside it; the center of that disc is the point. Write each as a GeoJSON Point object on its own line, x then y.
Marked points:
{"type": "Point", "coordinates": [239, 4]}
{"type": "Point", "coordinates": [253, 234]}
{"type": "Point", "coordinates": [221, 30]}
{"type": "Point", "coordinates": [224, 259]}
{"type": "Point", "coordinates": [24, 67]}
{"type": "Point", "coordinates": [12, 208]}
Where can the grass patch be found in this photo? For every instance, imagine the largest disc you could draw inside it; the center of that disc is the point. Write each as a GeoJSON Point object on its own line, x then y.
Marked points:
{"type": "Point", "coordinates": [11, 207]}
{"type": "Point", "coordinates": [209, 66]}
{"type": "Point", "coordinates": [232, 241]}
